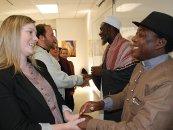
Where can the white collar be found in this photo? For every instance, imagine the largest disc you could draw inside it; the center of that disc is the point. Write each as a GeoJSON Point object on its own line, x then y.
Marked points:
{"type": "Point", "coordinates": [151, 63]}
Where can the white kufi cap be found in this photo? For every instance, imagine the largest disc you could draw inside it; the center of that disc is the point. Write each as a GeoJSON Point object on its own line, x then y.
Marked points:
{"type": "Point", "coordinates": [113, 21]}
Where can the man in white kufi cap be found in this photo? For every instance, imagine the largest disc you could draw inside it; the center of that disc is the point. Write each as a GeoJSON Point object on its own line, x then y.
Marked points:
{"type": "Point", "coordinates": [113, 21]}
{"type": "Point", "coordinates": [115, 71]}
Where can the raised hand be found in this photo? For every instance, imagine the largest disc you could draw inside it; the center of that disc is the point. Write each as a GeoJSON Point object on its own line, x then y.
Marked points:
{"type": "Point", "coordinates": [91, 106]}
{"type": "Point", "coordinates": [96, 70]}
{"type": "Point", "coordinates": [87, 76]}
{"type": "Point", "coordinates": [86, 79]}
{"type": "Point", "coordinates": [73, 125]}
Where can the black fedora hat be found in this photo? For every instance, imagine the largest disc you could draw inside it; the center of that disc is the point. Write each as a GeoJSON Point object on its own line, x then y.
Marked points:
{"type": "Point", "coordinates": [160, 23]}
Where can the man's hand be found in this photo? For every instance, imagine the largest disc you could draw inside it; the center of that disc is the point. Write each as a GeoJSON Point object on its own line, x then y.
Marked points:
{"type": "Point", "coordinates": [87, 76]}
{"type": "Point", "coordinates": [86, 79]}
{"type": "Point", "coordinates": [83, 124]}
{"type": "Point", "coordinates": [91, 106]}
{"type": "Point", "coordinates": [96, 70]}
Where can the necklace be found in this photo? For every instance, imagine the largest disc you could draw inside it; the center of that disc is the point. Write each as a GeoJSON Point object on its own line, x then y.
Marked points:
{"type": "Point", "coordinates": [30, 72]}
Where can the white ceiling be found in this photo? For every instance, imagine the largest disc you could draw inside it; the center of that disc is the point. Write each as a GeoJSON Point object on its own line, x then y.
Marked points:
{"type": "Point", "coordinates": [67, 8]}
{"type": "Point", "coordinates": [76, 8]}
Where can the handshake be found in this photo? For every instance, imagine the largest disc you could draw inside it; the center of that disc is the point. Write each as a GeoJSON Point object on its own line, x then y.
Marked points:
{"type": "Point", "coordinates": [86, 78]}
{"type": "Point", "coordinates": [83, 124]}
{"type": "Point", "coordinates": [88, 107]}
{"type": "Point", "coordinates": [95, 71]}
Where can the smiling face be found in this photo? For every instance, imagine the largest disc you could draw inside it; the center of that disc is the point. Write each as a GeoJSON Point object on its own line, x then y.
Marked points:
{"type": "Point", "coordinates": [50, 39]}
{"type": "Point", "coordinates": [104, 33]}
{"type": "Point", "coordinates": [28, 39]}
{"type": "Point", "coordinates": [55, 51]}
{"type": "Point", "coordinates": [146, 44]}
{"type": "Point", "coordinates": [107, 33]}
{"type": "Point", "coordinates": [64, 53]}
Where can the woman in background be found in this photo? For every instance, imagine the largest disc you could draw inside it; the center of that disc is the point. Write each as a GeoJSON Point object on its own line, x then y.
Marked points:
{"type": "Point", "coordinates": [29, 98]}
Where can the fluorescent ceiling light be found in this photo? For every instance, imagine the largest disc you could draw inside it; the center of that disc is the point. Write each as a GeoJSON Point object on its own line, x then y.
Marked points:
{"type": "Point", "coordinates": [48, 8]}
{"type": "Point", "coordinates": [127, 7]}
{"type": "Point", "coordinates": [84, 11]}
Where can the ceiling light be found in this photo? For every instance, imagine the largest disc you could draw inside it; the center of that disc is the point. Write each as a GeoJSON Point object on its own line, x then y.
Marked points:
{"type": "Point", "coordinates": [48, 8]}
{"type": "Point", "coordinates": [127, 7]}
{"type": "Point", "coordinates": [84, 11]}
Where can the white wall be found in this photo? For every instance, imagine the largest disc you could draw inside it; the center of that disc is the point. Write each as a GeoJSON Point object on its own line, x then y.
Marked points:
{"type": "Point", "coordinates": [74, 29]}
{"type": "Point", "coordinates": [95, 19]}
{"type": "Point", "coordinates": [95, 48]}
{"type": "Point", "coordinates": [49, 22]}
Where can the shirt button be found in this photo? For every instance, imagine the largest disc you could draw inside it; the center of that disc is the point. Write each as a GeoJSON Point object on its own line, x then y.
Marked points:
{"type": "Point", "coordinates": [140, 71]}
{"type": "Point", "coordinates": [132, 90]}
{"type": "Point", "coordinates": [127, 99]}
{"type": "Point", "coordinates": [135, 80]}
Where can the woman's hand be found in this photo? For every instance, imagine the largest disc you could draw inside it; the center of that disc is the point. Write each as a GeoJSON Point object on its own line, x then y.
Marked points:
{"type": "Point", "coordinates": [69, 116]}
{"type": "Point", "coordinates": [72, 125]}
{"type": "Point", "coordinates": [83, 124]}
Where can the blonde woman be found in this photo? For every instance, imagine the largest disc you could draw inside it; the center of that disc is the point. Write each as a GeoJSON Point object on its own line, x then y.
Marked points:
{"type": "Point", "coordinates": [29, 98]}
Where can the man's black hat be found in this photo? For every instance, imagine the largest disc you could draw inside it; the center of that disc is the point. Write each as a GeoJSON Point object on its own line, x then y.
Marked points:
{"type": "Point", "coordinates": [160, 23]}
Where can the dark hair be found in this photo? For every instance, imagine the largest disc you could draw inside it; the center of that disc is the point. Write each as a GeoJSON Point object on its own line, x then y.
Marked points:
{"type": "Point", "coordinates": [84, 71]}
{"type": "Point", "coordinates": [110, 32]}
{"type": "Point", "coordinates": [112, 27]}
{"type": "Point", "coordinates": [60, 48]}
{"type": "Point", "coordinates": [41, 30]}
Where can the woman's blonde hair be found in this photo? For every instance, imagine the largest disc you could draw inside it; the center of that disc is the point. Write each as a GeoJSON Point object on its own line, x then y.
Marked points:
{"type": "Point", "coordinates": [10, 32]}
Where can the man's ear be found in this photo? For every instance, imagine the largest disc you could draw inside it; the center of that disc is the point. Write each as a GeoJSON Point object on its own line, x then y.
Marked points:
{"type": "Point", "coordinates": [161, 43]}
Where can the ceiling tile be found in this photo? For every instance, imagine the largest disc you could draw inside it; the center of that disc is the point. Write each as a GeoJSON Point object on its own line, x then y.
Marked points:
{"type": "Point", "coordinates": [77, 8]}
{"type": "Point", "coordinates": [88, 1]}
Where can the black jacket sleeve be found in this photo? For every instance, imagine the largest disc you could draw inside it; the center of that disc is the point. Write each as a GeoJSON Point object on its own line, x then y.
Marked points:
{"type": "Point", "coordinates": [11, 116]}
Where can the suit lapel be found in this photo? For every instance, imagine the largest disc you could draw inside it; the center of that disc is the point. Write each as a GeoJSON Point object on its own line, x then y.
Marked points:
{"type": "Point", "coordinates": [47, 76]}
{"type": "Point", "coordinates": [49, 80]}
{"type": "Point", "coordinates": [31, 89]}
